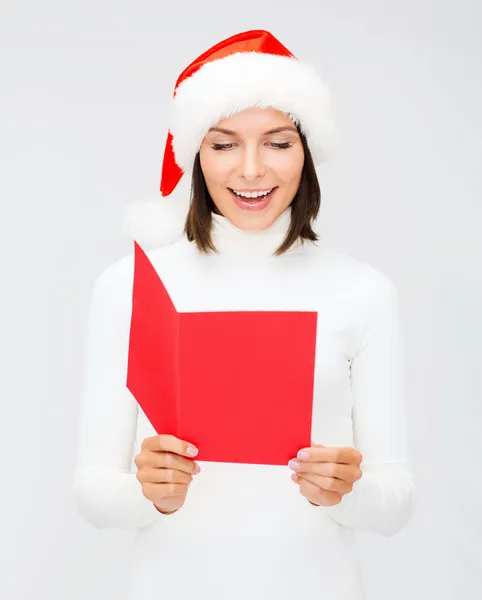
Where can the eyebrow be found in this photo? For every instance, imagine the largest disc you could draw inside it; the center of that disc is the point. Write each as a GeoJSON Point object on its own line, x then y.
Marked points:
{"type": "Point", "coordinates": [270, 131]}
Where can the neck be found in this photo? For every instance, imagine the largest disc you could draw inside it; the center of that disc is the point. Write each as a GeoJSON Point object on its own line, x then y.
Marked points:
{"type": "Point", "coordinates": [229, 239]}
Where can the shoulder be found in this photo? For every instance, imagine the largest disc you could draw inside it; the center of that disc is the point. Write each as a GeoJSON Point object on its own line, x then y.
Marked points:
{"type": "Point", "coordinates": [368, 285]}
{"type": "Point", "coordinates": [366, 274]}
{"type": "Point", "coordinates": [349, 268]}
{"type": "Point", "coordinates": [375, 285]}
{"type": "Point", "coordinates": [377, 295]}
{"type": "Point", "coordinates": [114, 284]}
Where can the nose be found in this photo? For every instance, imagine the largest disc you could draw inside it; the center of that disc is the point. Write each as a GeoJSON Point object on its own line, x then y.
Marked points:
{"type": "Point", "coordinates": [251, 164]}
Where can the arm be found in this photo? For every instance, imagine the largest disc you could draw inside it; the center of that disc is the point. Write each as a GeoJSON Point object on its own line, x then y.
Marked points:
{"type": "Point", "coordinates": [106, 492]}
{"type": "Point", "coordinates": [382, 500]}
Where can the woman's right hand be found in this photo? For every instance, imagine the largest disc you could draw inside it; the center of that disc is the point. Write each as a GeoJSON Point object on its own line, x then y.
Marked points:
{"type": "Point", "coordinates": [164, 471]}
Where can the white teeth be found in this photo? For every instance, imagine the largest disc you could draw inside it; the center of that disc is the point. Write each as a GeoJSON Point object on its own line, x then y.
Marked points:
{"type": "Point", "coordinates": [253, 194]}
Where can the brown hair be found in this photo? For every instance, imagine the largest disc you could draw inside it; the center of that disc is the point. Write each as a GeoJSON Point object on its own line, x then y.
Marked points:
{"type": "Point", "coordinates": [304, 207]}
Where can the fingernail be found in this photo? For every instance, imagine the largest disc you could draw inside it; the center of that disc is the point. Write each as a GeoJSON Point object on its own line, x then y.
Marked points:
{"type": "Point", "coordinates": [294, 477]}
{"type": "Point", "coordinates": [303, 455]}
{"type": "Point", "coordinates": [294, 464]}
{"type": "Point", "coordinates": [192, 451]}
{"type": "Point", "coordinates": [197, 469]}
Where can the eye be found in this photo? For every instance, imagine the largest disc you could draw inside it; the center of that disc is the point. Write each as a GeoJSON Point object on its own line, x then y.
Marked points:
{"type": "Point", "coordinates": [222, 146]}
{"type": "Point", "coordinates": [282, 146]}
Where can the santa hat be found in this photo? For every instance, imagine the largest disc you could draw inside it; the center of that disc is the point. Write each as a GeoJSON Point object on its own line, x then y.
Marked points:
{"type": "Point", "coordinates": [250, 69]}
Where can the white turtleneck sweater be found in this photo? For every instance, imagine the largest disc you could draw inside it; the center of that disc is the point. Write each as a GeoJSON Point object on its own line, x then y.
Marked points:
{"type": "Point", "coordinates": [245, 531]}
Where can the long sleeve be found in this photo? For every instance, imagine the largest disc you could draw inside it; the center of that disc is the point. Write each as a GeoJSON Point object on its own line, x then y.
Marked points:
{"type": "Point", "coordinates": [382, 500]}
{"type": "Point", "coordinates": [107, 493]}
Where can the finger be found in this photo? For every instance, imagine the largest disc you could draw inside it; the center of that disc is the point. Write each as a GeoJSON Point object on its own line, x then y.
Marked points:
{"type": "Point", "coordinates": [167, 460]}
{"type": "Point", "coordinates": [316, 495]}
{"type": "Point", "coordinates": [343, 455]}
{"type": "Point", "coordinates": [169, 443]}
{"type": "Point", "coordinates": [329, 484]}
{"type": "Point", "coordinates": [157, 491]}
{"type": "Point", "coordinates": [337, 470]}
{"type": "Point", "coordinates": [163, 476]}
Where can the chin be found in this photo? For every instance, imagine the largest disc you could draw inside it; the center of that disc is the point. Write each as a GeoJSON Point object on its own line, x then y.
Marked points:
{"type": "Point", "coordinates": [256, 221]}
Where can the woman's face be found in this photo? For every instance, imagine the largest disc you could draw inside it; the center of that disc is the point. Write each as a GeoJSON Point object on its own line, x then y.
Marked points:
{"type": "Point", "coordinates": [247, 155]}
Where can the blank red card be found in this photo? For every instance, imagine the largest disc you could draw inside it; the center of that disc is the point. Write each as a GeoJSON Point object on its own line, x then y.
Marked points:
{"type": "Point", "coordinates": [238, 385]}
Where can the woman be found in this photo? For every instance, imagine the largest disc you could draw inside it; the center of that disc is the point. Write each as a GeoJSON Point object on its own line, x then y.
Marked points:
{"type": "Point", "coordinates": [249, 122]}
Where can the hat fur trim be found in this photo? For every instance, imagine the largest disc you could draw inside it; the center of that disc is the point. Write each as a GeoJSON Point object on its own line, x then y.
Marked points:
{"type": "Point", "coordinates": [229, 85]}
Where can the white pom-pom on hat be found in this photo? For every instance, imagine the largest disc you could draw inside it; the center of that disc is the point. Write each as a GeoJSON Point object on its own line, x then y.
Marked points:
{"type": "Point", "coordinates": [154, 223]}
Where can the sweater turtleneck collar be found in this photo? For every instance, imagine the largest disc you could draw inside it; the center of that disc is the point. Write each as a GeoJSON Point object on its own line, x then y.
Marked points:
{"type": "Point", "coordinates": [229, 239]}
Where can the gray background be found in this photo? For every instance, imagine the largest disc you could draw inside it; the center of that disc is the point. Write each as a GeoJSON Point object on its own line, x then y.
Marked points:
{"type": "Point", "coordinates": [84, 91]}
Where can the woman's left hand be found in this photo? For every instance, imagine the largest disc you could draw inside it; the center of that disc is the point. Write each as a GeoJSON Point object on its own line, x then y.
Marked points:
{"type": "Point", "coordinates": [325, 474]}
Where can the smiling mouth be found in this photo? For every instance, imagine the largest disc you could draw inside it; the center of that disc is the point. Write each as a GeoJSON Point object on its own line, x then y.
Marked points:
{"type": "Point", "coordinates": [253, 200]}
{"type": "Point", "coordinates": [253, 204]}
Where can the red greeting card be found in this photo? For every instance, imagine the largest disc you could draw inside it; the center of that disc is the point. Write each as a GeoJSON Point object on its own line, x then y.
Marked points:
{"type": "Point", "coordinates": [238, 385]}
